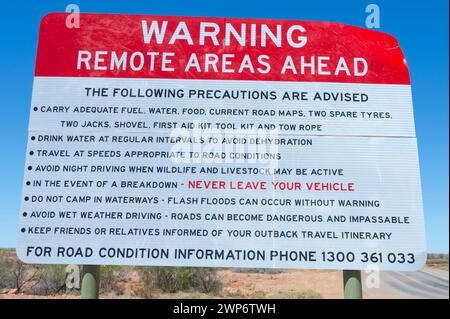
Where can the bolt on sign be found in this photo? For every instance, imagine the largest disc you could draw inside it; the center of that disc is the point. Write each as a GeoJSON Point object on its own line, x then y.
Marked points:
{"type": "Point", "coordinates": [162, 140]}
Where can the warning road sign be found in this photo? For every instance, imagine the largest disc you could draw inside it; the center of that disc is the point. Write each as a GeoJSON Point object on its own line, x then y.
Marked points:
{"type": "Point", "coordinates": [187, 141]}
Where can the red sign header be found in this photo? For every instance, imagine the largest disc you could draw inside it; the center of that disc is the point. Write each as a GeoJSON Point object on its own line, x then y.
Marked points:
{"type": "Point", "coordinates": [143, 46]}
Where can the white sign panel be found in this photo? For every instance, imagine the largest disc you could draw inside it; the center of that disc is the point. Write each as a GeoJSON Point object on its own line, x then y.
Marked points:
{"type": "Point", "coordinates": [151, 144]}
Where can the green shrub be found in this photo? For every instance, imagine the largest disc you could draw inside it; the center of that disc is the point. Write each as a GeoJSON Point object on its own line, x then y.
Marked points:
{"type": "Point", "coordinates": [21, 276]}
{"type": "Point", "coordinates": [7, 280]}
{"type": "Point", "coordinates": [52, 280]}
{"type": "Point", "coordinates": [174, 279]}
{"type": "Point", "coordinates": [206, 280]}
{"type": "Point", "coordinates": [110, 277]}
{"type": "Point", "coordinates": [147, 276]}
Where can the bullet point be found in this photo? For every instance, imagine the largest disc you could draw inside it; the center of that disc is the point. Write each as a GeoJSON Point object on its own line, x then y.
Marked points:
{"type": "Point", "coordinates": [27, 198]}
{"type": "Point", "coordinates": [28, 183]}
{"type": "Point", "coordinates": [33, 138]}
{"type": "Point", "coordinates": [35, 108]}
{"type": "Point", "coordinates": [24, 214]}
{"type": "Point", "coordinates": [23, 230]}
{"type": "Point", "coordinates": [30, 168]}
{"type": "Point", "coordinates": [31, 153]}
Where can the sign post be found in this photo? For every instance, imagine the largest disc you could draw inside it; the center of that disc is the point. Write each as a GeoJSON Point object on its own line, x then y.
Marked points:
{"type": "Point", "coordinates": [220, 142]}
{"type": "Point", "coordinates": [90, 282]}
{"type": "Point", "coordinates": [352, 284]}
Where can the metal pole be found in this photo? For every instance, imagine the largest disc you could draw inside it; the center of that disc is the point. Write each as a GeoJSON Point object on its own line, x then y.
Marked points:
{"type": "Point", "coordinates": [90, 282]}
{"type": "Point", "coordinates": [352, 284]}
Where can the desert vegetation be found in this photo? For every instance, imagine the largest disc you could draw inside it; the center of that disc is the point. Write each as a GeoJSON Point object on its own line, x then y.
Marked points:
{"type": "Point", "coordinates": [439, 261]}
{"type": "Point", "coordinates": [17, 278]}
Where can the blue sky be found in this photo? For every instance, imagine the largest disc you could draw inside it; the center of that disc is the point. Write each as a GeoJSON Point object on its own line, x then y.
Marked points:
{"type": "Point", "coordinates": [421, 28]}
